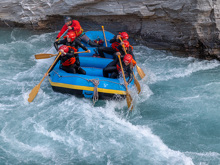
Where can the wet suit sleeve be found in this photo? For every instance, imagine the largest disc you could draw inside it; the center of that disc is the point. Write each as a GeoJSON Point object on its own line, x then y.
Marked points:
{"type": "Point", "coordinates": [121, 51]}
{"type": "Point", "coordinates": [120, 48]}
{"type": "Point", "coordinates": [79, 44]}
{"type": "Point", "coordinates": [130, 51]}
{"type": "Point", "coordinates": [69, 54]}
{"type": "Point", "coordinates": [130, 74]}
{"type": "Point", "coordinates": [115, 40]}
{"type": "Point", "coordinates": [59, 43]}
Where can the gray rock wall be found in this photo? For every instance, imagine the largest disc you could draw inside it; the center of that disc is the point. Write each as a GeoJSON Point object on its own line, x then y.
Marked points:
{"type": "Point", "coordinates": [180, 25]}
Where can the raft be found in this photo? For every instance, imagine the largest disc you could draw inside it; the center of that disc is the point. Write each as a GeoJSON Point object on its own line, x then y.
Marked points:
{"type": "Point", "coordinates": [84, 85]}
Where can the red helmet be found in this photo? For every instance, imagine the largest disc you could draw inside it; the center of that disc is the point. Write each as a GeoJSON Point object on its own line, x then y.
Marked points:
{"type": "Point", "coordinates": [126, 43]}
{"type": "Point", "coordinates": [65, 48]}
{"type": "Point", "coordinates": [128, 58]}
{"type": "Point", "coordinates": [71, 35]}
{"type": "Point", "coordinates": [124, 35]}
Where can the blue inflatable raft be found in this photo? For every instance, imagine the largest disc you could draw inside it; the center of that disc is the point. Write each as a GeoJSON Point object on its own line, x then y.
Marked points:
{"type": "Point", "coordinates": [84, 85]}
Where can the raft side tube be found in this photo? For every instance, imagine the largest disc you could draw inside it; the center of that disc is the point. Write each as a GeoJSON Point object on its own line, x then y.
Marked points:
{"type": "Point", "coordinates": [94, 62]}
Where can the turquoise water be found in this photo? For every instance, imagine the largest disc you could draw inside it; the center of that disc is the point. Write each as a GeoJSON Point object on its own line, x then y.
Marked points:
{"type": "Point", "coordinates": [175, 119]}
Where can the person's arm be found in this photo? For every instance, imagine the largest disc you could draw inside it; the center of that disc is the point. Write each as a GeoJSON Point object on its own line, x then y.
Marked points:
{"type": "Point", "coordinates": [78, 43]}
{"type": "Point", "coordinates": [67, 56]}
{"type": "Point", "coordinates": [116, 56]}
{"type": "Point", "coordinates": [59, 43]}
{"type": "Point", "coordinates": [70, 53]}
{"type": "Point", "coordinates": [130, 73]}
{"type": "Point", "coordinates": [64, 28]}
{"type": "Point", "coordinates": [114, 39]}
{"type": "Point", "coordinates": [121, 50]}
{"type": "Point", "coordinates": [131, 52]}
{"type": "Point", "coordinates": [75, 25]}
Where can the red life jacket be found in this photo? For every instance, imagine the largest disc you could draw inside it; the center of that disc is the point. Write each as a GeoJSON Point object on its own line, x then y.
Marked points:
{"type": "Point", "coordinates": [118, 68]}
{"type": "Point", "coordinates": [77, 28]}
{"type": "Point", "coordinates": [115, 45]}
{"type": "Point", "coordinates": [72, 47]}
{"type": "Point", "coordinates": [69, 62]}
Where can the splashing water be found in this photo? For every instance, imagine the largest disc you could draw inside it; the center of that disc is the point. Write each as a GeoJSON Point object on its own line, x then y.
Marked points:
{"type": "Point", "coordinates": [175, 119]}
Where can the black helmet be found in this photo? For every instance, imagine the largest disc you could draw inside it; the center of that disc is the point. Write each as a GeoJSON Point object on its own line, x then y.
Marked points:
{"type": "Point", "coordinates": [67, 19]}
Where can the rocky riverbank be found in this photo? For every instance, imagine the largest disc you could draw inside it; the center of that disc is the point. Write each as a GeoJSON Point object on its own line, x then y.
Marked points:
{"type": "Point", "coordinates": [182, 25]}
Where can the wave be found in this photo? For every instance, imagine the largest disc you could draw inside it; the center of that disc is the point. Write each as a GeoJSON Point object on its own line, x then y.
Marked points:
{"type": "Point", "coordinates": [61, 129]}
{"type": "Point", "coordinates": [161, 66]}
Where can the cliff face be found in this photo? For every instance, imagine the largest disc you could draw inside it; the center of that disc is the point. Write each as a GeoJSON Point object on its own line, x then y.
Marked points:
{"type": "Point", "coordinates": [179, 25]}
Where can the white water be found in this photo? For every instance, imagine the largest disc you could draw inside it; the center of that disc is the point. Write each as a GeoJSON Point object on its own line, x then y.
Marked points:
{"type": "Point", "coordinates": [170, 123]}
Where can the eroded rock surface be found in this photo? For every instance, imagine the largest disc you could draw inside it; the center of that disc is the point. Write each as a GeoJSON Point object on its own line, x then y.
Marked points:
{"type": "Point", "coordinates": [180, 25]}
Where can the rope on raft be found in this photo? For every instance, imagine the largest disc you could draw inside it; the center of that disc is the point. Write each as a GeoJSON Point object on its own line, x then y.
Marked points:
{"type": "Point", "coordinates": [95, 92]}
{"type": "Point", "coordinates": [89, 79]}
{"type": "Point", "coordinates": [95, 83]}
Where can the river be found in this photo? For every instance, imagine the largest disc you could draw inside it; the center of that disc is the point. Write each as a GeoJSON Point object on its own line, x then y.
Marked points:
{"type": "Point", "coordinates": [176, 118]}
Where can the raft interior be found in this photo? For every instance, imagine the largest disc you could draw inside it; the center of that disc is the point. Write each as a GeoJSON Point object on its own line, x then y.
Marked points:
{"type": "Point", "coordinates": [84, 85]}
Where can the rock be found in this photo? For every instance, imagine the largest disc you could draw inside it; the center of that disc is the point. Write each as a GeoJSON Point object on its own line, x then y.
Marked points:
{"type": "Point", "coordinates": [181, 25]}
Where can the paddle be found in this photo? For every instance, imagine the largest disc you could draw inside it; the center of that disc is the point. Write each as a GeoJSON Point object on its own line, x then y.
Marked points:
{"type": "Point", "coordinates": [140, 72]}
{"type": "Point", "coordinates": [137, 84]}
{"type": "Point", "coordinates": [43, 56]}
{"type": "Point", "coordinates": [35, 90]}
{"type": "Point", "coordinates": [128, 96]}
{"type": "Point", "coordinates": [62, 35]}
{"type": "Point", "coordinates": [104, 36]}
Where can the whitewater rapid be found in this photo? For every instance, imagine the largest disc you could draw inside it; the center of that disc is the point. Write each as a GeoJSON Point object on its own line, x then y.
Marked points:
{"type": "Point", "coordinates": [175, 119]}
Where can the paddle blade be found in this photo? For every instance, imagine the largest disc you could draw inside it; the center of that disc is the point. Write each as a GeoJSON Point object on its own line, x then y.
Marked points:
{"type": "Point", "coordinates": [43, 56]}
{"type": "Point", "coordinates": [137, 84]}
{"type": "Point", "coordinates": [129, 100]}
{"type": "Point", "coordinates": [33, 93]}
{"type": "Point", "coordinates": [140, 72]}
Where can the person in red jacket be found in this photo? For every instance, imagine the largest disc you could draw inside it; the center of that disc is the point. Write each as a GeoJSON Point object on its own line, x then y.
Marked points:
{"type": "Point", "coordinates": [74, 25]}
{"type": "Point", "coordinates": [115, 43]}
{"type": "Point", "coordinates": [69, 61]}
{"type": "Point", "coordinates": [71, 41]}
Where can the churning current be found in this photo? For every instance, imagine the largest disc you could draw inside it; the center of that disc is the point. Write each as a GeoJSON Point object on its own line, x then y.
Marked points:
{"type": "Point", "coordinates": [176, 118]}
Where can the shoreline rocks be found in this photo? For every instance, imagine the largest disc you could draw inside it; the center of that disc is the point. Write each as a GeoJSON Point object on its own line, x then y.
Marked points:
{"type": "Point", "coordinates": [187, 26]}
